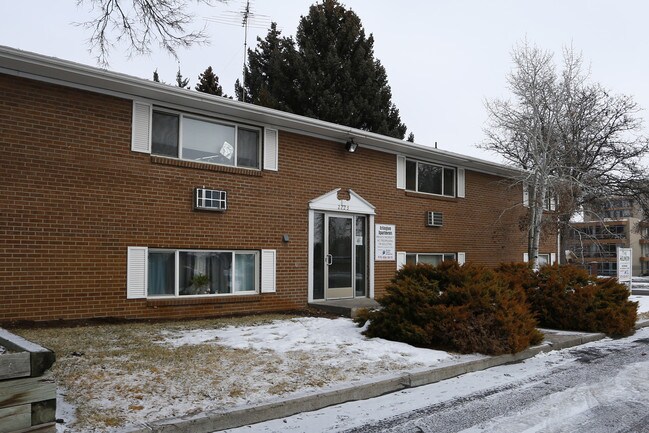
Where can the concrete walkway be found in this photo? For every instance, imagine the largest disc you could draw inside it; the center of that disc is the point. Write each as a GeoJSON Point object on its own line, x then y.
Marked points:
{"type": "Point", "coordinates": [250, 414]}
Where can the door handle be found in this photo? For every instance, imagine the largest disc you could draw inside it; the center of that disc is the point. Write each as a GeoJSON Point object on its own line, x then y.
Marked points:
{"type": "Point", "coordinates": [329, 259]}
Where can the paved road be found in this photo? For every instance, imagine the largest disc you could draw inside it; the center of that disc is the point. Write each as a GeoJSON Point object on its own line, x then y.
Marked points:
{"type": "Point", "coordinates": [605, 389]}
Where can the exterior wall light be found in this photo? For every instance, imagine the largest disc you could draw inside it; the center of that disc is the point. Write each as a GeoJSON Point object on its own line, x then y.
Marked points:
{"type": "Point", "coordinates": [351, 146]}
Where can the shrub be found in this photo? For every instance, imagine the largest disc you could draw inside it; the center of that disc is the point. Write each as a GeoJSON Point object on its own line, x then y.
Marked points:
{"type": "Point", "coordinates": [461, 308]}
{"type": "Point", "coordinates": [567, 297]}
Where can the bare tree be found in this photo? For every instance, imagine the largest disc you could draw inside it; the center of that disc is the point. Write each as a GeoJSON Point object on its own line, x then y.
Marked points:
{"type": "Point", "coordinates": [572, 140]}
{"type": "Point", "coordinates": [140, 23]}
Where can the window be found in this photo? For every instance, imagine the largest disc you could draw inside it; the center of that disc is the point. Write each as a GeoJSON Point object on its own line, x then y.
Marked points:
{"type": "Point", "coordinates": [431, 259]}
{"type": "Point", "coordinates": [182, 136]}
{"type": "Point", "coordinates": [430, 178]}
{"type": "Point", "coordinates": [543, 259]}
{"type": "Point", "coordinates": [188, 272]}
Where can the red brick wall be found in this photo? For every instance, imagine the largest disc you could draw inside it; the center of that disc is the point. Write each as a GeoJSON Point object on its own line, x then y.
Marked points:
{"type": "Point", "coordinates": [73, 197]}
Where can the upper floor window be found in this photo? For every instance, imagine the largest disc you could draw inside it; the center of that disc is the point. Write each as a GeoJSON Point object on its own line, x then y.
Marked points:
{"type": "Point", "coordinates": [198, 139]}
{"type": "Point", "coordinates": [430, 178]}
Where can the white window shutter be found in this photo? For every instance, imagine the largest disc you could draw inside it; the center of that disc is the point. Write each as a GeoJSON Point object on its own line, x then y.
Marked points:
{"type": "Point", "coordinates": [553, 203]}
{"type": "Point", "coordinates": [136, 272]}
{"type": "Point", "coordinates": [526, 195]}
{"type": "Point", "coordinates": [526, 257]}
{"type": "Point", "coordinates": [461, 183]}
{"type": "Point", "coordinates": [401, 172]}
{"type": "Point", "coordinates": [401, 260]}
{"type": "Point", "coordinates": [553, 258]}
{"type": "Point", "coordinates": [461, 258]}
{"type": "Point", "coordinates": [271, 147]}
{"type": "Point", "coordinates": [268, 267]}
{"type": "Point", "coordinates": [141, 127]}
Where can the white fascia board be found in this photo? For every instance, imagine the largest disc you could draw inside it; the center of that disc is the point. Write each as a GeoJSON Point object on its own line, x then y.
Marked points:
{"type": "Point", "coordinates": [50, 69]}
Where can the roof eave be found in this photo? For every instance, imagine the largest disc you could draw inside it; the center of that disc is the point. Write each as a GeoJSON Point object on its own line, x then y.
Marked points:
{"type": "Point", "coordinates": [24, 63]}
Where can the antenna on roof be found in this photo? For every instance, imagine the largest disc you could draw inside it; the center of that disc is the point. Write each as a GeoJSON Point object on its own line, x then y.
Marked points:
{"type": "Point", "coordinates": [245, 18]}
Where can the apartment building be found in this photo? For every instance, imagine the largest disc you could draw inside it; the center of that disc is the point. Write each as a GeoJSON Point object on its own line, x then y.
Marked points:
{"type": "Point", "coordinates": [593, 243]}
{"type": "Point", "coordinates": [127, 198]}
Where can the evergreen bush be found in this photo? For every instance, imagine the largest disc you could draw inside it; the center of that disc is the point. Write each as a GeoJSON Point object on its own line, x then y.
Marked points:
{"type": "Point", "coordinates": [567, 297]}
{"type": "Point", "coordinates": [460, 308]}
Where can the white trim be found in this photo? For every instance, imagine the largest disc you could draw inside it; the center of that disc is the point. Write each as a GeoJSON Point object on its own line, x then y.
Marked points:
{"type": "Point", "coordinates": [271, 149]}
{"type": "Point", "coordinates": [401, 172]}
{"type": "Point", "coordinates": [401, 259]}
{"type": "Point", "coordinates": [268, 271]}
{"type": "Point", "coordinates": [370, 256]}
{"type": "Point", "coordinates": [461, 258]}
{"type": "Point", "coordinates": [526, 195]}
{"type": "Point", "coordinates": [137, 271]}
{"type": "Point", "coordinates": [329, 202]}
{"type": "Point", "coordinates": [553, 258]}
{"type": "Point", "coordinates": [310, 255]}
{"type": "Point", "coordinates": [141, 127]}
{"type": "Point", "coordinates": [526, 257]}
{"type": "Point", "coordinates": [461, 183]}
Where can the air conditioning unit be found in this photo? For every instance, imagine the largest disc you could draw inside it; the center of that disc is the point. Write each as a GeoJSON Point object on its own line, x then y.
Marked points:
{"type": "Point", "coordinates": [210, 199]}
{"type": "Point", "coordinates": [434, 219]}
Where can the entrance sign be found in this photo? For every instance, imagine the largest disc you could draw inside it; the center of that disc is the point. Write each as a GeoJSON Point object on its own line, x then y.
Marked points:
{"type": "Point", "coordinates": [385, 241]}
{"type": "Point", "coordinates": [624, 256]}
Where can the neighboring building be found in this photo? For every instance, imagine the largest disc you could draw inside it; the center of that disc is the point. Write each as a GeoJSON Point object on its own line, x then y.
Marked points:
{"type": "Point", "coordinates": [126, 198]}
{"type": "Point", "coordinates": [594, 242]}
{"type": "Point", "coordinates": [644, 247]}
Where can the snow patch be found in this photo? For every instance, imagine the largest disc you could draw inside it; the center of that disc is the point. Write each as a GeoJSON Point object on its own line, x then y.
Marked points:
{"type": "Point", "coordinates": [320, 335]}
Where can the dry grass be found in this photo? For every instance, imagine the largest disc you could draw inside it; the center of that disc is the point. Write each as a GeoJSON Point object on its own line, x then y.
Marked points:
{"type": "Point", "coordinates": [119, 374]}
{"type": "Point", "coordinates": [109, 371]}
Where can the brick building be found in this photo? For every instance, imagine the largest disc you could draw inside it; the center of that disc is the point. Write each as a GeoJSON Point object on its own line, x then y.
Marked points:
{"type": "Point", "coordinates": [121, 197]}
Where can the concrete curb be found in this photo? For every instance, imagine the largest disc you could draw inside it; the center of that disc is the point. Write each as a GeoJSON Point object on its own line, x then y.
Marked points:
{"type": "Point", "coordinates": [251, 414]}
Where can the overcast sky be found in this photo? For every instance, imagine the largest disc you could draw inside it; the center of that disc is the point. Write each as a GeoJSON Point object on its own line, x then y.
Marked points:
{"type": "Point", "coordinates": [443, 58]}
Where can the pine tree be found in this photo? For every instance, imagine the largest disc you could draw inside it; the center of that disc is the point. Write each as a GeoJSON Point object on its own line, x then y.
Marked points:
{"type": "Point", "coordinates": [331, 75]}
{"type": "Point", "coordinates": [208, 82]}
{"type": "Point", "coordinates": [180, 81]}
{"type": "Point", "coordinates": [156, 78]}
{"type": "Point", "coordinates": [411, 137]}
{"type": "Point", "coordinates": [270, 74]}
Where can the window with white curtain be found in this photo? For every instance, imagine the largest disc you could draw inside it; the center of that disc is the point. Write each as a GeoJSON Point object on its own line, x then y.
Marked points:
{"type": "Point", "coordinates": [198, 272]}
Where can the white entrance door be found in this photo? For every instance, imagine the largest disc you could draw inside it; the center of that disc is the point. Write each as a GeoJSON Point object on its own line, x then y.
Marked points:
{"type": "Point", "coordinates": [339, 257]}
{"type": "Point", "coordinates": [340, 242]}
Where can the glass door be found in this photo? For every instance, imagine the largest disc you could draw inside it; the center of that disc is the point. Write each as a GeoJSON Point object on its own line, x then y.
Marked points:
{"type": "Point", "coordinates": [339, 263]}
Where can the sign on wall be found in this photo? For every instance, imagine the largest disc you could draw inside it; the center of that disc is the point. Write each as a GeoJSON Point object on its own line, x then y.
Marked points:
{"type": "Point", "coordinates": [624, 256]}
{"type": "Point", "coordinates": [385, 242]}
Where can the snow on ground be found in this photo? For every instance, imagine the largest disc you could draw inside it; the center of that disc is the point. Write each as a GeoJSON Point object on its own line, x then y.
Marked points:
{"type": "Point", "coordinates": [643, 302]}
{"type": "Point", "coordinates": [320, 335]}
{"type": "Point", "coordinates": [328, 344]}
{"type": "Point", "coordinates": [632, 382]}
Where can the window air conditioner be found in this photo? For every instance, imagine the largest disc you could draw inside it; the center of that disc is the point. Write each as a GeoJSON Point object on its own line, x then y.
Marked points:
{"type": "Point", "coordinates": [210, 199]}
{"type": "Point", "coordinates": [434, 219]}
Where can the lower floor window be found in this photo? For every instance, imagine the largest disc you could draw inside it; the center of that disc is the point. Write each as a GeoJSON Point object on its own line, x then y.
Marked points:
{"type": "Point", "coordinates": [543, 259]}
{"type": "Point", "coordinates": [431, 259]}
{"type": "Point", "coordinates": [190, 272]}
